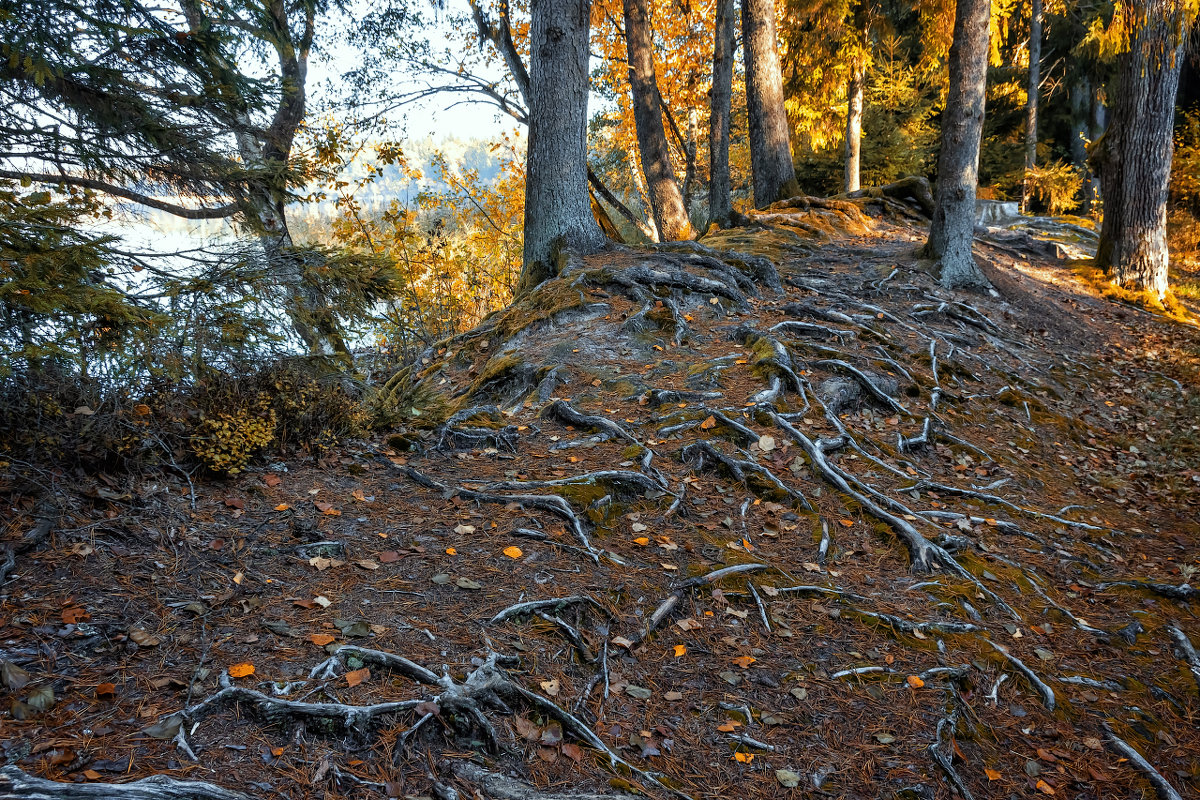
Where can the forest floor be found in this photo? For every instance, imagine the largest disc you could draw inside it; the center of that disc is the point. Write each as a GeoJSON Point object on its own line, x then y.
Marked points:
{"type": "Point", "coordinates": [851, 536]}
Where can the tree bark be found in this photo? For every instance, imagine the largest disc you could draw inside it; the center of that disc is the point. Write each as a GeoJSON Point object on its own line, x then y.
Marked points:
{"type": "Point", "coordinates": [1133, 157]}
{"type": "Point", "coordinates": [953, 228]}
{"type": "Point", "coordinates": [1031, 101]}
{"type": "Point", "coordinates": [720, 200]}
{"type": "Point", "coordinates": [558, 214]}
{"type": "Point", "coordinates": [771, 165]}
{"type": "Point", "coordinates": [854, 117]}
{"type": "Point", "coordinates": [1081, 134]}
{"type": "Point", "coordinates": [666, 201]}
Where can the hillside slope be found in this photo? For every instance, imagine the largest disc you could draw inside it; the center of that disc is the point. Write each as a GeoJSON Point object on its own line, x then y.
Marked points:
{"type": "Point", "coordinates": [772, 516]}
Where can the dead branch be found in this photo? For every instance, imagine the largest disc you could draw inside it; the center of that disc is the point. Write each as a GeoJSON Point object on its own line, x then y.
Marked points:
{"type": "Point", "coordinates": [17, 785]}
{"type": "Point", "coordinates": [672, 600]}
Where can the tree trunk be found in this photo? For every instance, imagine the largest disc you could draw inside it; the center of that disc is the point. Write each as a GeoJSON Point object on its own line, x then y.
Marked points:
{"type": "Point", "coordinates": [1133, 157]}
{"type": "Point", "coordinates": [854, 117]}
{"type": "Point", "coordinates": [720, 201]}
{"type": "Point", "coordinates": [666, 201]}
{"type": "Point", "coordinates": [558, 212]}
{"type": "Point", "coordinates": [1031, 101]}
{"type": "Point", "coordinates": [953, 228]}
{"type": "Point", "coordinates": [1081, 134]}
{"type": "Point", "coordinates": [770, 144]}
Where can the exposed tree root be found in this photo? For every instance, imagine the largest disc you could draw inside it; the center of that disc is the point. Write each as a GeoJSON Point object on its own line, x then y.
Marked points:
{"type": "Point", "coordinates": [501, 787]}
{"type": "Point", "coordinates": [703, 453]}
{"type": "Point", "coordinates": [450, 436]}
{"type": "Point", "coordinates": [551, 502]}
{"type": "Point", "coordinates": [16, 785]}
{"type": "Point", "coordinates": [1187, 651]}
{"type": "Point", "coordinates": [918, 629]}
{"type": "Point", "coordinates": [1048, 699]}
{"type": "Point", "coordinates": [562, 411]}
{"type": "Point", "coordinates": [868, 384]}
{"type": "Point", "coordinates": [942, 752]}
{"type": "Point", "coordinates": [1165, 790]}
{"type": "Point", "coordinates": [1181, 592]}
{"type": "Point", "coordinates": [554, 605]}
{"type": "Point", "coordinates": [667, 606]}
{"type": "Point", "coordinates": [1000, 501]}
{"type": "Point", "coordinates": [623, 482]}
{"type": "Point", "coordinates": [34, 538]}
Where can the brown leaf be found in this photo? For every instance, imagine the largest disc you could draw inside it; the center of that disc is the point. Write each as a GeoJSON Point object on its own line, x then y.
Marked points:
{"type": "Point", "coordinates": [389, 556]}
{"type": "Point", "coordinates": [357, 676]}
{"type": "Point", "coordinates": [526, 729]}
{"type": "Point", "coordinates": [271, 480]}
{"type": "Point", "coordinates": [320, 639]}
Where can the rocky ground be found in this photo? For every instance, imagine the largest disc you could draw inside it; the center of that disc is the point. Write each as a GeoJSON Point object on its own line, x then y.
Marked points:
{"type": "Point", "coordinates": [770, 516]}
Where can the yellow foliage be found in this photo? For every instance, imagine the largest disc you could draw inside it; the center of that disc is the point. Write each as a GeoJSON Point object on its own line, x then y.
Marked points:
{"type": "Point", "coordinates": [226, 441]}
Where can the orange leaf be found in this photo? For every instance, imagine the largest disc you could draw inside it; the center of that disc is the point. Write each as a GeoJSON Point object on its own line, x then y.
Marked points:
{"type": "Point", "coordinates": [282, 507]}
{"type": "Point", "coordinates": [450, 551]}
{"type": "Point", "coordinates": [992, 775]}
{"type": "Point", "coordinates": [744, 661]}
{"type": "Point", "coordinates": [711, 422]}
{"type": "Point", "coordinates": [744, 758]}
{"type": "Point", "coordinates": [105, 690]}
{"type": "Point", "coordinates": [74, 614]}
{"type": "Point", "coordinates": [355, 677]}
{"type": "Point", "coordinates": [680, 650]}
{"type": "Point", "coordinates": [641, 541]}
{"type": "Point", "coordinates": [846, 523]}
{"type": "Point", "coordinates": [513, 552]}
{"type": "Point", "coordinates": [728, 726]}
{"type": "Point", "coordinates": [243, 670]}
{"type": "Point", "coordinates": [1045, 788]}
{"type": "Point", "coordinates": [92, 775]}
{"type": "Point", "coordinates": [320, 639]}
{"type": "Point", "coordinates": [271, 480]}
{"type": "Point", "coordinates": [915, 682]}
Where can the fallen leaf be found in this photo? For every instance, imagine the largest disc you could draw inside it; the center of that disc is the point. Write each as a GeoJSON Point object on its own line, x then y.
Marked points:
{"type": "Point", "coordinates": [467, 583]}
{"type": "Point", "coordinates": [711, 422]}
{"type": "Point", "coordinates": [74, 615]}
{"type": "Point", "coordinates": [526, 729]}
{"type": "Point", "coordinates": [787, 778]}
{"type": "Point", "coordinates": [915, 682]}
{"type": "Point", "coordinates": [91, 775]}
{"type": "Point", "coordinates": [992, 775]}
{"type": "Point", "coordinates": [680, 650]}
{"type": "Point", "coordinates": [621, 641]}
{"type": "Point", "coordinates": [450, 551]}
{"type": "Point", "coordinates": [391, 556]}
{"type": "Point", "coordinates": [572, 752]}
{"type": "Point", "coordinates": [766, 443]}
{"type": "Point", "coordinates": [550, 687]}
{"type": "Point", "coordinates": [367, 563]}
{"type": "Point", "coordinates": [729, 726]}
{"type": "Point", "coordinates": [846, 523]}
{"type": "Point", "coordinates": [243, 670]}
{"type": "Point", "coordinates": [464, 529]}
{"type": "Point", "coordinates": [1044, 787]}
{"type": "Point", "coordinates": [689, 624]}
{"type": "Point", "coordinates": [673, 696]}
{"type": "Point", "coordinates": [744, 758]}
{"type": "Point", "coordinates": [884, 738]}
{"type": "Point", "coordinates": [744, 661]}
{"type": "Point", "coordinates": [322, 601]}
{"type": "Point", "coordinates": [1092, 743]}
{"type": "Point", "coordinates": [271, 480]}
{"type": "Point", "coordinates": [441, 579]}
{"type": "Point", "coordinates": [235, 502]}
{"type": "Point", "coordinates": [321, 639]}
{"type": "Point", "coordinates": [640, 692]}
{"type": "Point", "coordinates": [357, 676]}
{"type": "Point", "coordinates": [143, 639]}
{"type": "Point", "coordinates": [282, 507]}
{"type": "Point", "coordinates": [106, 690]}
{"type": "Point", "coordinates": [513, 551]}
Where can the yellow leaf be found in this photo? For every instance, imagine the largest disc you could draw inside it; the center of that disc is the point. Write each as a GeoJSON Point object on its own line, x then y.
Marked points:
{"type": "Point", "coordinates": [680, 650]}
{"type": "Point", "coordinates": [450, 551]}
{"type": "Point", "coordinates": [642, 541]}
{"type": "Point", "coordinates": [241, 670]}
{"type": "Point", "coordinates": [513, 552]}
{"type": "Point", "coordinates": [915, 682]}
{"type": "Point", "coordinates": [744, 758]}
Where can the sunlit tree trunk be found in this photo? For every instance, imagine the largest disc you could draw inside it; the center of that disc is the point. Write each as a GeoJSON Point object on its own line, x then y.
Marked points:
{"type": "Point", "coordinates": [558, 214]}
{"type": "Point", "coordinates": [770, 143]}
{"type": "Point", "coordinates": [854, 117]}
{"type": "Point", "coordinates": [666, 201]}
{"type": "Point", "coordinates": [953, 228]}
{"type": "Point", "coordinates": [720, 201]}
{"type": "Point", "coordinates": [1133, 157]}
{"type": "Point", "coordinates": [1031, 101]}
